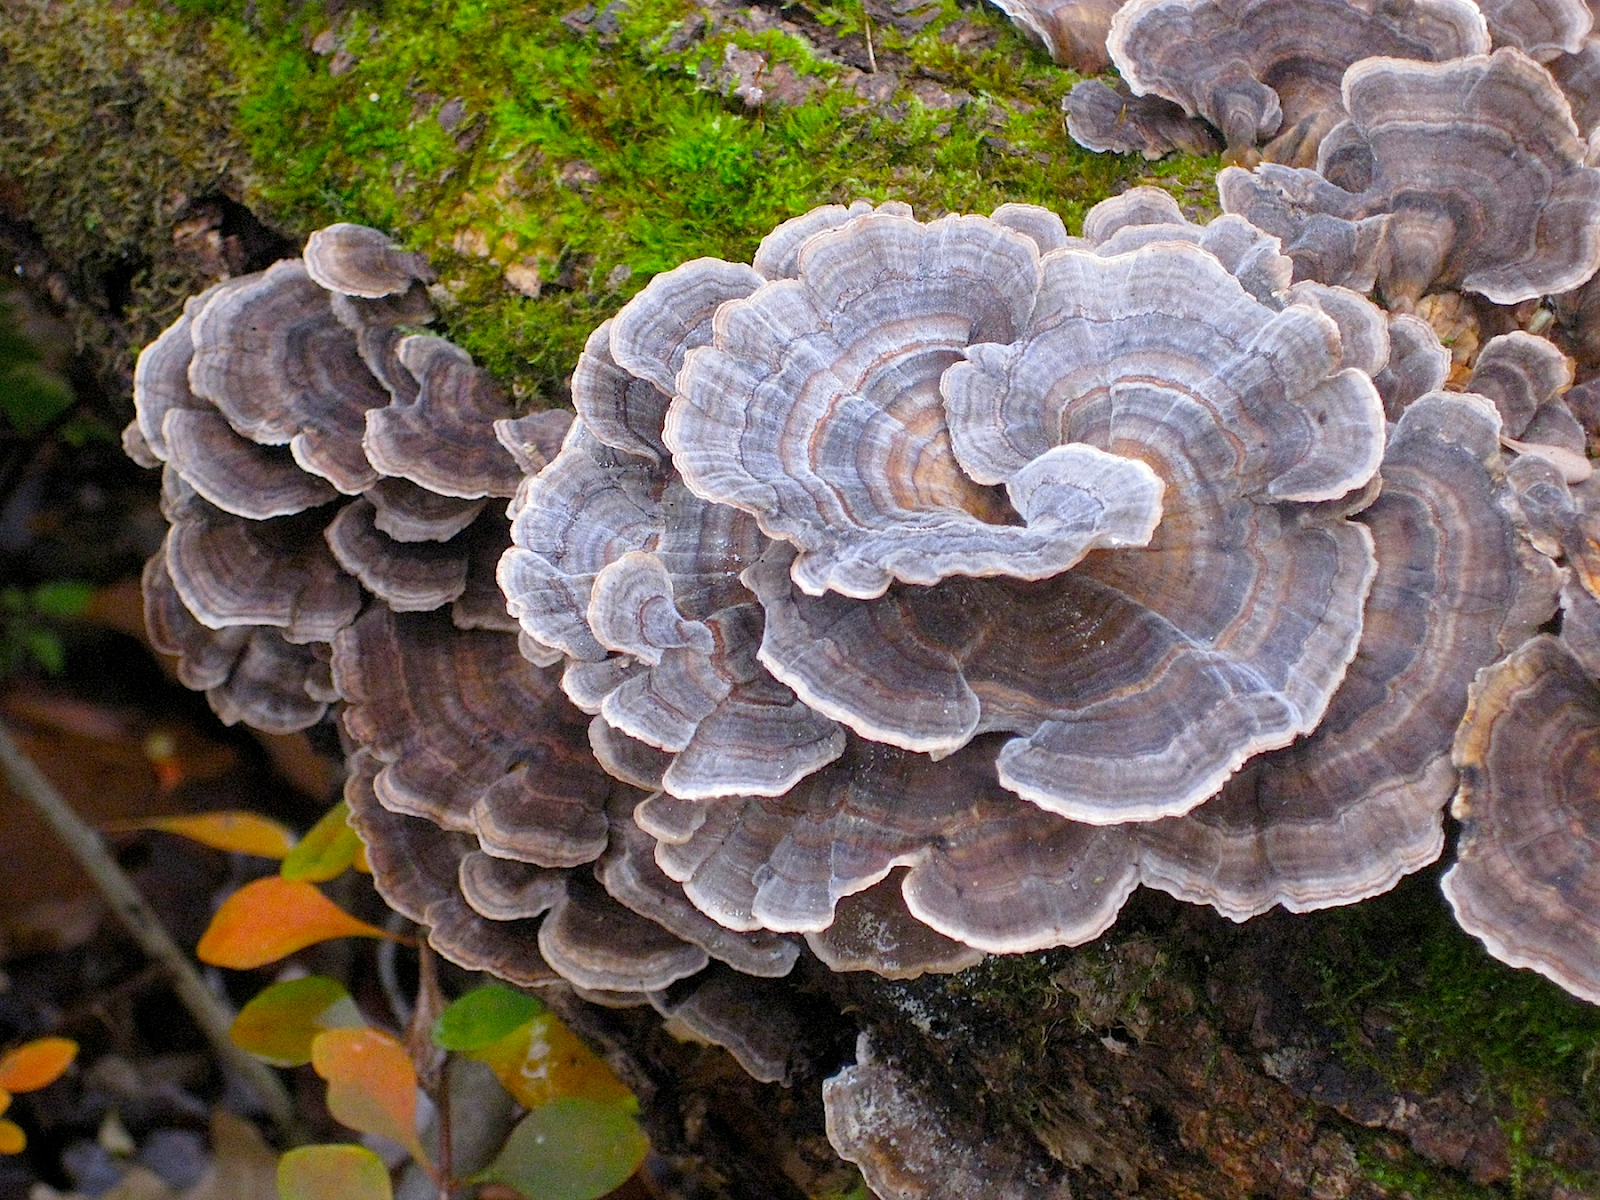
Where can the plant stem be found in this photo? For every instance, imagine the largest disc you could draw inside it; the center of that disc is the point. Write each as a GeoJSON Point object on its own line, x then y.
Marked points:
{"type": "Point", "coordinates": [209, 1013]}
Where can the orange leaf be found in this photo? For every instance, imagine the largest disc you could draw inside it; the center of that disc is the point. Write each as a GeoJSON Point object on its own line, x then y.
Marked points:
{"type": "Point", "coordinates": [12, 1139]}
{"type": "Point", "coordinates": [372, 1086]}
{"type": "Point", "coordinates": [36, 1064]}
{"type": "Point", "coordinates": [243, 832]}
{"type": "Point", "coordinates": [270, 918]}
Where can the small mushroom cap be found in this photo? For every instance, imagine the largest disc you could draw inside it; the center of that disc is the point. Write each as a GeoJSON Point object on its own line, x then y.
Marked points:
{"type": "Point", "coordinates": [874, 931]}
{"type": "Point", "coordinates": [234, 473]}
{"type": "Point", "coordinates": [471, 736]}
{"type": "Point", "coordinates": [1521, 373]}
{"type": "Point", "coordinates": [1251, 66]}
{"type": "Point", "coordinates": [483, 605]}
{"type": "Point", "coordinates": [755, 1020]}
{"type": "Point", "coordinates": [1544, 29]}
{"type": "Point", "coordinates": [161, 376]}
{"type": "Point", "coordinates": [503, 889]}
{"type": "Point", "coordinates": [629, 873]}
{"type": "Point", "coordinates": [444, 440]}
{"type": "Point", "coordinates": [249, 673]}
{"type": "Point", "coordinates": [408, 512]}
{"type": "Point", "coordinates": [1417, 364]}
{"type": "Point", "coordinates": [1578, 75]}
{"type": "Point", "coordinates": [597, 943]}
{"type": "Point", "coordinates": [1527, 876]}
{"type": "Point", "coordinates": [1344, 813]}
{"type": "Point", "coordinates": [231, 571]}
{"type": "Point", "coordinates": [1103, 118]}
{"type": "Point", "coordinates": [1074, 31]}
{"type": "Point", "coordinates": [655, 330]}
{"type": "Point", "coordinates": [360, 261]}
{"type": "Point", "coordinates": [407, 576]}
{"type": "Point", "coordinates": [986, 868]}
{"type": "Point", "coordinates": [620, 409]}
{"type": "Point", "coordinates": [416, 868]}
{"type": "Point", "coordinates": [269, 353]}
{"type": "Point", "coordinates": [851, 352]}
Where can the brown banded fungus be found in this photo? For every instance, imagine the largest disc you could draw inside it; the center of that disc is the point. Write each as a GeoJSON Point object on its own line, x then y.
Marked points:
{"type": "Point", "coordinates": [1472, 176]}
{"type": "Point", "coordinates": [1260, 69]}
{"type": "Point", "coordinates": [1074, 31]}
{"type": "Point", "coordinates": [1342, 814]}
{"type": "Point", "coordinates": [1527, 876]}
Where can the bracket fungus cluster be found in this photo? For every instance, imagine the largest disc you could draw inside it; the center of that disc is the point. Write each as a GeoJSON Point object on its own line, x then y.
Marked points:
{"type": "Point", "coordinates": [919, 589]}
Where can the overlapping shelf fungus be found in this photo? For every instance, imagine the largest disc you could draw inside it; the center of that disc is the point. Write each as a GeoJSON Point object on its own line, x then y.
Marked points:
{"type": "Point", "coordinates": [912, 592]}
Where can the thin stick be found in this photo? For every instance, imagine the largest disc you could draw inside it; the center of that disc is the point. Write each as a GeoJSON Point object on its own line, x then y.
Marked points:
{"type": "Point", "coordinates": [872, 59]}
{"type": "Point", "coordinates": [208, 1012]}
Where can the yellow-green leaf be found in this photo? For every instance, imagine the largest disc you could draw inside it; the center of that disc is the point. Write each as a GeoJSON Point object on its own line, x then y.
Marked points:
{"type": "Point", "coordinates": [569, 1150]}
{"type": "Point", "coordinates": [341, 1172]}
{"type": "Point", "coordinates": [482, 1016]}
{"type": "Point", "coordinates": [279, 1024]}
{"type": "Point", "coordinates": [36, 1064]}
{"type": "Point", "coordinates": [542, 1060]}
{"type": "Point", "coordinates": [273, 917]}
{"type": "Point", "coordinates": [326, 851]}
{"type": "Point", "coordinates": [372, 1085]}
{"type": "Point", "coordinates": [243, 832]}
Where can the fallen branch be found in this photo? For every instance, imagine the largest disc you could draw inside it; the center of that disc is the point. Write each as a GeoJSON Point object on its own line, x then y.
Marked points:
{"type": "Point", "coordinates": [141, 921]}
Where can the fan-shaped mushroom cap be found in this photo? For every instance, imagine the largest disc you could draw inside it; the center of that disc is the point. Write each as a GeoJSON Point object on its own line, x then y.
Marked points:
{"type": "Point", "coordinates": [1045, 229]}
{"type": "Point", "coordinates": [1521, 373]}
{"type": "Point", "coordinates": [416, 866]}
{"type": "Point", "coordinates": [269, 353]}
{"type": "Point", "coordinates": [1417, 364]}
{"type": "Point", "coordinates": [778, 255]}
{"type": "Point", "coordinates": [1578, 75]}
{"type": "Point", "coordinates": [1344, 813]}
{"type": "Point", "coordinates": [592, 505]}
{"type": "Point", "coordinates": [874, 931]}
{"type": "Point", "coordinates": [235, 474]}
{"type": "Point", "coordinates": [597, 943]}
{"type": "Point", "coordinates": [483, 605]}
{"type": "Point", "coordinates": [1477, 180]}
{"type": "Point", "coordinates": [986, 868]}
{"type": "Point", "coordinates": [1527, 877]}
{"type": "Point", "coordinates": [1544, 29]}
{"type": "Point", "coordinates": [445, 439]}
{"type": "Point", "coordinates": [161, 376]}
{"type": "Point", "coordinates": [407, 576]}
{"type": "Point", "coordinates": [858, 472]}
{"type": "Point", "coordinates": [1253, 67]}
{"type": "Point", "coordinates": [673, 314]}
{"type": "Point", "coordinates": [408, 512]}
{"type": "Point", "coordinates": [629, 873]}
{"type": "Point", "coordinates": [249, 673]}
{"type": "Point", "coordinates": [755, 1020]}
{"type": "Point", "coordinates": [503, 889]}
{"type": "Point", "coordinates": [1103, 118]}
{"type": "Point", "coordinates": [472, 737]}
{"type": "Point", "coordinates": [634, 762]}
{"type": "Point", "coordinates": [360, 261]}
{"type": "Point", "coordinates": [231, 571]}
{"type": "Point", "coordinates": [620, 409]}
{"type": "Point", "coordinates": [1074, 31]}
{"type": "Point", "coordinates": [927, 669]}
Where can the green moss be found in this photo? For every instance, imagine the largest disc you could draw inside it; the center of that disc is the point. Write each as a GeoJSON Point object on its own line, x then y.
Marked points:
{"type": "Point", "coordinates": [597, 165]}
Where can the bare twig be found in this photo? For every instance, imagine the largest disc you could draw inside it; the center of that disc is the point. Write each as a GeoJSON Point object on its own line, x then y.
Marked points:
{"type": "Point", "coordinates": [208, 1012]}
{"type": "Point", "coordinates": [872, 59]}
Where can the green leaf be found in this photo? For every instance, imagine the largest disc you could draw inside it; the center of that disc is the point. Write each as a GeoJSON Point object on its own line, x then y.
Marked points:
{"type": "Point", "coordinates": [32, 396]}
{"type": "Point", "coordinates": [569, 1149]}
{"type": "Point", "coordinates": [483, 1016]}
{"type": "Point", "coordinates": [279, 1024]}
{"type": "Point", "coordinates": [63, 598]}
{"type": "Point", "coordinates": [326, 851]}
{"type": "Point", "coordinates": [342, 1172]}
